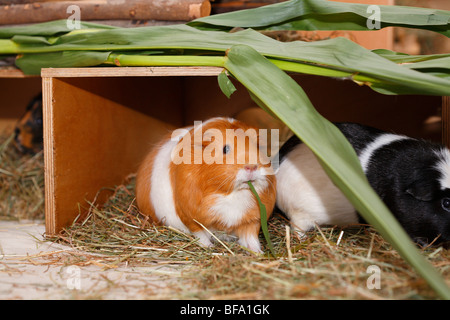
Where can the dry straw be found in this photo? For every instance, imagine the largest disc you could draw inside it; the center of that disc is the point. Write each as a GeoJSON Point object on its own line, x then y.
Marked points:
{"type": "Point", "coordinates": [21, 182]}
{"type": "Point", "coordinates": [316, 267]}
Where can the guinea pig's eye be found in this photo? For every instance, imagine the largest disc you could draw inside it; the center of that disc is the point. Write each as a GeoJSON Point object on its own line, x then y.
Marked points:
{"type": "Point", "coordinates": [226, 149]}
{"type": "Point", "coordinates": [445, 202]}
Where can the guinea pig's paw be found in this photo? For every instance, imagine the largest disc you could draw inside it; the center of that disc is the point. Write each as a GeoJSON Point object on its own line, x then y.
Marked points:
{"type": "Point", "coordinates": [204, 238]}
{"type": "Point", "coordinates": [300, 234]}
{"type": "Point", "coordinates": [251, 242]}
{"type": "Point", "coordinates": [301, 226]}
{"type": "Point", "coordinates": [225, 236]}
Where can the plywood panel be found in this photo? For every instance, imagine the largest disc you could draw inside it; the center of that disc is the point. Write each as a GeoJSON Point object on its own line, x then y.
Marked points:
{"type": "Point", "coordinates": [15, 95]}
{"type": "Point", "coordinates": [91, 142]}
{"type": "Point", "coordinates": [159, 97]}
{"type": "Point", "coordinates": [446, 121]}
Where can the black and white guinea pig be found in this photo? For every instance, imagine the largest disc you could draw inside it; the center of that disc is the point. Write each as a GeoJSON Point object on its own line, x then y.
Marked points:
{"type": "Point", "coordinates": [411, 176]}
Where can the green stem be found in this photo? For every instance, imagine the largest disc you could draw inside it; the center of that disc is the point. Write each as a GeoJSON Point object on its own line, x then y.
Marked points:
{"type": "Point", "coordinates": [326, 71]}
{"type": "Point", "coordinates": [126, 60]}
{"type": "Point", "coordinates": [140, 61]}
{"type": "Point", "coordinates": [307, 68]}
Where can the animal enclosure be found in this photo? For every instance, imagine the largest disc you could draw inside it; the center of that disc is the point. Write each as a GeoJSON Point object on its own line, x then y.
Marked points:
{"type": "Point", "coordinates": [100, 122]}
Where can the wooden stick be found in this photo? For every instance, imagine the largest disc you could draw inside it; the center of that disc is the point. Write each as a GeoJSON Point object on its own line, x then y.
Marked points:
{"type": "Point", "coordinates": [8, 2]}
{"type": "Point", "coordinates": [176, 10]}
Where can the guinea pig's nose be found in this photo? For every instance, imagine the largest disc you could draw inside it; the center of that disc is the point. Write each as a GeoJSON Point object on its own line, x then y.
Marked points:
{"type": "Point", "coordinates": [250, 167]}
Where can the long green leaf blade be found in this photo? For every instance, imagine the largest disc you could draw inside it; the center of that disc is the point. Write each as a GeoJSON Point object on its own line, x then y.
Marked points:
{"type": "Point", "coordinates": [48, 29]}
{"type": "Point", "coordinates": [327, 15]}
{"type": "Point", "coordinates": [338, 54]}
{"type": "Point", "coordinates": [281, 94]}
{"type": "Point", "coordinates": [263, 215]}
{"type": "Point", "coordinates": [33, 63]}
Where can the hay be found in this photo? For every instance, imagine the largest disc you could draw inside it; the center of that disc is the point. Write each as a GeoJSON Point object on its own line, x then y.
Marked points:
{"type": "Point", "coordinates": [331, 263]}
{"type": "Point", "coordinates": [21, 182]}
{"type": "Point", "coordinates": [118, 228]}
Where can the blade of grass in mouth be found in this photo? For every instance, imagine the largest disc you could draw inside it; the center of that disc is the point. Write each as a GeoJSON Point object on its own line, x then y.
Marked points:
{"type": "Point", "coordinates": [263, 213]}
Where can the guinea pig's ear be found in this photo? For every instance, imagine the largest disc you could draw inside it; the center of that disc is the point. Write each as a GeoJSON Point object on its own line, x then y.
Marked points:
{"type": "Point", "coordinates": [421, 190]}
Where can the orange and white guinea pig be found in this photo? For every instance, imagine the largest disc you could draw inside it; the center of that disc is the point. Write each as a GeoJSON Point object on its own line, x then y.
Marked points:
{"type": "Point", "coordinates": [209, 185]}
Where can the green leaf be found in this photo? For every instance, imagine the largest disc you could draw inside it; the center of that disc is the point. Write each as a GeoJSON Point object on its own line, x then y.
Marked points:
{"type": "Point", "coordinates": [399, 57]}
{"type": "Point", "coordinates": [339, 54]}
{"type": "Point", "coordinates": [326, 15]}
{"type": "Point", "coordinates": [47, 29]}
{"type": "Point", "coordinates": [225, 84]}
{"type": "Point", "coordinates": [263, 215]}
{"type": "Point", "coordinates": [280, 93]}
{"type": "Point", "coordinates": [37, 40]}
{"type": "Point", "coordinates": [33, 63]}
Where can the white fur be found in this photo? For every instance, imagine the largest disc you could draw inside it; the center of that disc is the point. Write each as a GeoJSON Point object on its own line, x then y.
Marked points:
{"type": "Point", "coordinates": [257, 177]}
{"type": "Point", "coordinates": [307, 195]}
{"type": "Point", "coordinates": [161, 192]}
{"type": "Point", "coordinates": [232, 208]}
{"type": "Point", "coordinates": [379, 142]}
{"type": "Point", "coordinates": [444, 168]}
{"type": "Point", "coordinates": [204, 238]}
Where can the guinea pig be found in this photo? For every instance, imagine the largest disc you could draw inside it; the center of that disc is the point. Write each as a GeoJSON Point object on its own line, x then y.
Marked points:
{"type": "Point", "coordinates": [28, 133]}
{"type": "Point", "coordinates": [411, 176]}
{"type": "Point", "coordinates": [198, 176]}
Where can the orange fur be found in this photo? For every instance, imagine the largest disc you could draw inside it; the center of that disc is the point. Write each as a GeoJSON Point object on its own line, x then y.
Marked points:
{"type": "Point", "coordinates": [196, 187]}
{"type": "Point", "coordinates": [143, 186]}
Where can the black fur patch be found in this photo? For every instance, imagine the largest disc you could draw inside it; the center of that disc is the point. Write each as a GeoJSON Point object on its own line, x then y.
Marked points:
{"type": "Point", "coordinates": [405, 175]}
{"type": "Point", "coordinates": [358, 135]}
{"type": "Point", "coordinates": [288, 146]}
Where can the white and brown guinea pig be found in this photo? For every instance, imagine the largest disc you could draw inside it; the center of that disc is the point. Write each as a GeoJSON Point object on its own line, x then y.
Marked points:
{"type": "Point", "coordinates": [411, 176]}
{"type": "Point", "coordinates": [185, 194]}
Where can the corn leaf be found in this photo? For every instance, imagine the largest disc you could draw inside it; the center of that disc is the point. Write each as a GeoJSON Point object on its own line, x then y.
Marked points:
{"type": "Point", "coordinates": [48, 29]}
{"type": "Point", "coordinates": [281, 94]}
{"type": "Point", "coordinates": [399, 57]}
{"type": "Point", "coordinates": [326, 15]}
{"type": "Point", "coordinates": [225, 84]}
{"type": "Point", "coordinates": [337, 55]}
{"type": "Point", "coordinates": [64, 59]}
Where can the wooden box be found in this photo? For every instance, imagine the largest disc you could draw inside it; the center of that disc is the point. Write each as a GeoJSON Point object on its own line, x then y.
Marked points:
{"type": "Point", "coordinates": [100, 122]}
{"type": "Point", "coordinates": [16, 91]}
